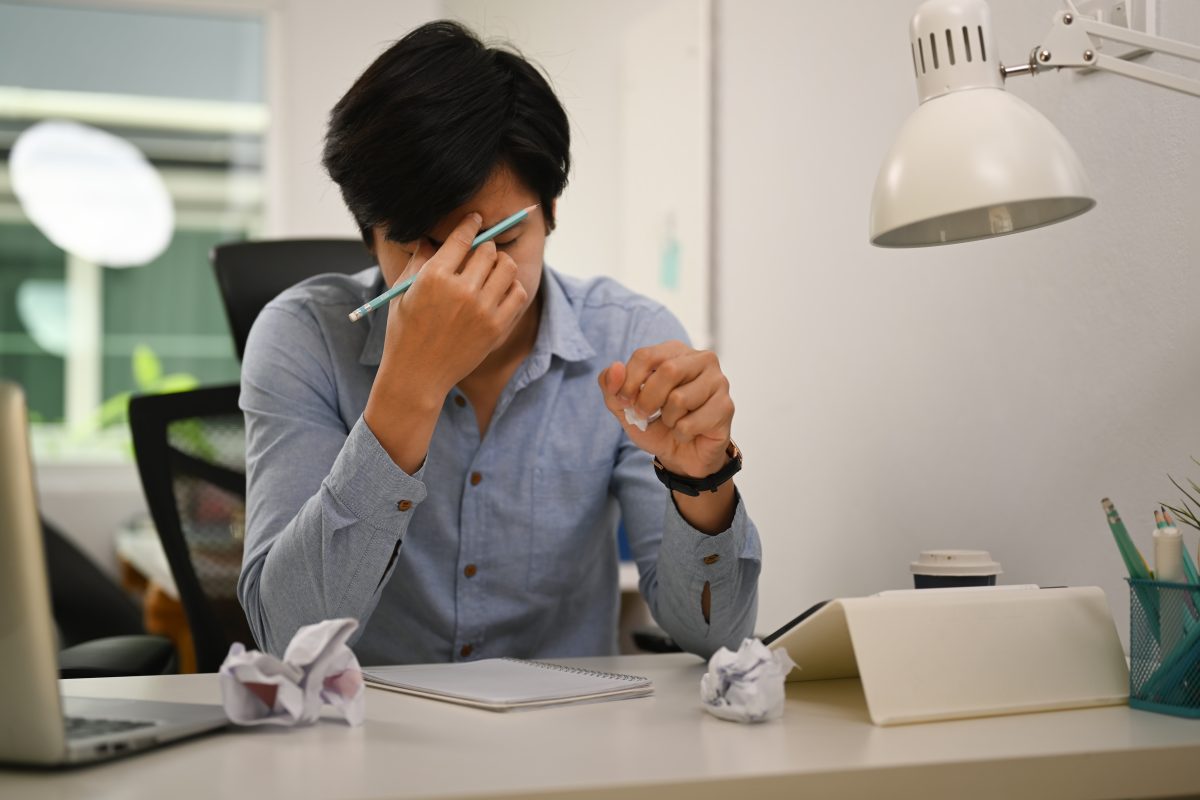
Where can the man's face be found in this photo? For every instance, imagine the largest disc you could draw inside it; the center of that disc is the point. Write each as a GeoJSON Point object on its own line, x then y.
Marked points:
{"type": "Point", "coordinates": [502, 196]}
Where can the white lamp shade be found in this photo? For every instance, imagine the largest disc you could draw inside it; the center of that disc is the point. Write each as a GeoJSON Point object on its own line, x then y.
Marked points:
{"type": "Point", "coordinates": [92, 194]}
{"type": "Point", "coordinates": [971, 164]}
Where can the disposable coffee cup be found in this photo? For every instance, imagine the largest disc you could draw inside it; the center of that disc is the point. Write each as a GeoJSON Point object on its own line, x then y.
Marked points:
{"type": "Point", "coordinates": [939, 569]}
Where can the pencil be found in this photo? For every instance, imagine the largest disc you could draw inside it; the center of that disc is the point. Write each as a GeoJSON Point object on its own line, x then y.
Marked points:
{"type": "Point", "coordinates": [402, 287]}
{"type": "Point", "coordinates": [1134, 562]}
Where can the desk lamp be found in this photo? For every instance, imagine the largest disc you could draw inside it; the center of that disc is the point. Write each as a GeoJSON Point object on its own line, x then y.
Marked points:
{"type": "Point", "coordinates": [974, 161]}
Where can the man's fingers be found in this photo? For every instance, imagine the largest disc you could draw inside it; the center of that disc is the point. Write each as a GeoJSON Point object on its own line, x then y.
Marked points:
{"type": "Point", "coordinates": [458, 244]}
{"type": "Point", "coordinates": [512, 304]}
{"type": "Point", "coordinates": [420, 256]}
{"type": "Point", "coordinates": [670, 374]}
{"type": "Point", "coordinates": [609, 380]}
{"type": "Point", "coordinates": [479, 264]}
{"type": "Point", "coordinates": [498, 280]}
{"type": "Point", "coordinates": [686, 398]}
{"type": "Point", "coordinates": [712, 420]}
{"type": "Point", "coordinates": [615, 377]}
{"type": "Point", "coordinates": [644, 361]}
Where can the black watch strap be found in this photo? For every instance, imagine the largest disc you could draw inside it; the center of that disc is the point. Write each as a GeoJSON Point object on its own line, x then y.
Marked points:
{"type": "Point", "coordinates": [694, 486]}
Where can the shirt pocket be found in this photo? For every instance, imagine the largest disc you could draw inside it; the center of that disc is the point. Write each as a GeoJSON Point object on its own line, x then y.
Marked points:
{"type": "Point", "coordinates": [570, 525]}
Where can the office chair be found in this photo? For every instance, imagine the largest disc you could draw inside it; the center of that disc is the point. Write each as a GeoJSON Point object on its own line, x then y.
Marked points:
{"type": "Point", "coordinates": [100, 629]}
{"type": "Point", "coordinates": [250, 274]}
{"type": "Point", "coordinates": [87, 603]}
{"type": "Point", "coordinates": [190, 449]}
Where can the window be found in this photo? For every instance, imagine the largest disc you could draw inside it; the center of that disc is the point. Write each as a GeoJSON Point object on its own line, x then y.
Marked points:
{"type": "Point", "coordinates": [187, 91]}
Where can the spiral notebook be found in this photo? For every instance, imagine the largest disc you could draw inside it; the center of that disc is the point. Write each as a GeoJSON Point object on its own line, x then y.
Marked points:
{"type": "Point", "coordinates": [503, 684]}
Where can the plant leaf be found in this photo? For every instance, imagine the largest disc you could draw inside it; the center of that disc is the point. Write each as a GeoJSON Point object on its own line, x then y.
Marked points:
{"type": "Point", "coordinates": [1186, 517]}
{"type": "Point", "coordinates": [176, 382]}
{"type": "Point", "coordinates": [113, 411]}
{"type": "Point", "coordinates": [1185, 491]}
{"type": "Point", "coordinates": [147, 369]}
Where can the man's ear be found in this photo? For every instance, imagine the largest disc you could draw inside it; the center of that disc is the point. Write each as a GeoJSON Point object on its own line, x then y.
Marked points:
{"type": "Point", "coordinates": [552, 217]}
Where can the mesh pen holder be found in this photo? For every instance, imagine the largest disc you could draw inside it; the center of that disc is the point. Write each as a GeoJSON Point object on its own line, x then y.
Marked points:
{"type": "Point", "coordinates": [1164, 647]}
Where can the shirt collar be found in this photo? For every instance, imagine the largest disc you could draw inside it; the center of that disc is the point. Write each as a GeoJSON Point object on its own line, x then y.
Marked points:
{"type": "Point", "coordinates": [559, 333]}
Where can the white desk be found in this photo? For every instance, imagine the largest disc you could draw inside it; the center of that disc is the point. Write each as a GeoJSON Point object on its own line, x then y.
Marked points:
{"type": "Point", "coordinates": [664, 746]}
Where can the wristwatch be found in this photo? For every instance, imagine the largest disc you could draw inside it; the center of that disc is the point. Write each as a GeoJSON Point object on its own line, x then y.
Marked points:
{"type": "Point", "coordinates": [694, 486]}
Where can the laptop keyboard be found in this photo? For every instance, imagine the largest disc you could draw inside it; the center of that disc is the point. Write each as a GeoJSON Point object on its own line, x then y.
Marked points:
{"type": "Point", "coordinates": [83, 727]}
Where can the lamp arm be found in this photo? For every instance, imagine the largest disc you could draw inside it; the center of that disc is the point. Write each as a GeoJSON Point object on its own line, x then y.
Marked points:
{"type": "Point", "coordinates": [1075, 42]}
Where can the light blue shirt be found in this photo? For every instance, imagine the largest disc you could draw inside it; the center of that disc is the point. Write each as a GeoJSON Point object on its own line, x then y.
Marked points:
{"type": "Point", "coordinates": [500, 546]}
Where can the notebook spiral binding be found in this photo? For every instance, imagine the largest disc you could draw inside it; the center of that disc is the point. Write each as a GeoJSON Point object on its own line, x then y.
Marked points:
{"type": "Point", "coordinates": [593, 673]}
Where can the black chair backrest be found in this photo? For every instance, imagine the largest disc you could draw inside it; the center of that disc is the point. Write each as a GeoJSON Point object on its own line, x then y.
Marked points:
{"type": "Point", "coordinates": [190, 449]}
{"type": "Point", "coordinates": [250, 274]}
{"type": "Point", "coordinates": [87, 603]}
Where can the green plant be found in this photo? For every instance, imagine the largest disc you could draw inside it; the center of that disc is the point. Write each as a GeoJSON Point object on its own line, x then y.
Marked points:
{"type": "Point", "coordinates": [148, 377]}
{"type": "Point", "coordinates": [1187, 515]}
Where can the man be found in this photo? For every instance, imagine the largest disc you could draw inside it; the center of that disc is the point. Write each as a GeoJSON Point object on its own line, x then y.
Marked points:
{"type": "Point", "coordinates": [447, 470]}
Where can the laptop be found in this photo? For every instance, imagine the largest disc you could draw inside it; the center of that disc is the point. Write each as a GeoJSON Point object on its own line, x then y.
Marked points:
{"type": "Point", "coordinates": [40, 726]}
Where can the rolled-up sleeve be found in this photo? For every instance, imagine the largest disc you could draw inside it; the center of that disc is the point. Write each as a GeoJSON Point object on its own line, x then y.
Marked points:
{"type": "Point", "coordinates": [675, 560]}
{"type": "Point", "coordinates": [326, 508]}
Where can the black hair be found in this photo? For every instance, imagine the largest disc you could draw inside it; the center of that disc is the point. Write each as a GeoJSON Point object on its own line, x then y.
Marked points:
{"type": "Point", "coordinates": [425, 126]}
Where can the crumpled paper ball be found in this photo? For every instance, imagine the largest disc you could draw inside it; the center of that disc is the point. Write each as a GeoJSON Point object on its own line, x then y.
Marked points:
{"type": "Point", "coordinates": [638, 421]}
{"type": "Point", "coordinates": [746, 686]}
{"type": "Point", "coordinates": [318, 667]}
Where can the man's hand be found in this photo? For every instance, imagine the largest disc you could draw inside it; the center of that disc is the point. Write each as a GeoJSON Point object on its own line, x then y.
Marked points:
{"type": "Point", "coordinates": [692, 435]}
{"type": "Point", "coordinates": [462, 306]}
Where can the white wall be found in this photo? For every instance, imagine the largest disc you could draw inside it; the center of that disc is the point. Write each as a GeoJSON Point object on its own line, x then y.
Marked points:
{"type": "Point", "coordinates": [316, 49]}
{"type": "Point", "coordinates": [982, 395]}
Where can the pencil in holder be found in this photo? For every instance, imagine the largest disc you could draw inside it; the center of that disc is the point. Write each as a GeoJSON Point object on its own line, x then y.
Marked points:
{"type": "Point", "coordinates": [1164, 647]}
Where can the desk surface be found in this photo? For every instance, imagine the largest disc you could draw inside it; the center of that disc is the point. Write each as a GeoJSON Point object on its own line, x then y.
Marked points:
{"type": "Point", "coordinates": [662, 746]}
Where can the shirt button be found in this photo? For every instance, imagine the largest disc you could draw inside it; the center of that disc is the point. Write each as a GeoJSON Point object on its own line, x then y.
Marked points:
{"type": "Point", "coordinates": [476, 477]}
{"type": "Point", "coordinates": [466, 651]}
{"type": "Point", "coordinates": [404, 505]}
{"type": "Point", "coordinates": [470, 570]}
{"type": "Point", "coordinates": [458, 400]}
{"type": "Point", "coordinates": [714, 558]}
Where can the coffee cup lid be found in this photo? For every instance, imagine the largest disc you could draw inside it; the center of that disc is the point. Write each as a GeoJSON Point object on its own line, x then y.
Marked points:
{"type": "Point", "coordinates": [955, 562]}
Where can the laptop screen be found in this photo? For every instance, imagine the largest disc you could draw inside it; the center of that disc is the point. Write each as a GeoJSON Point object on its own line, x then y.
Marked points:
{"type": "Point", "coordinates": [33, 726]}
